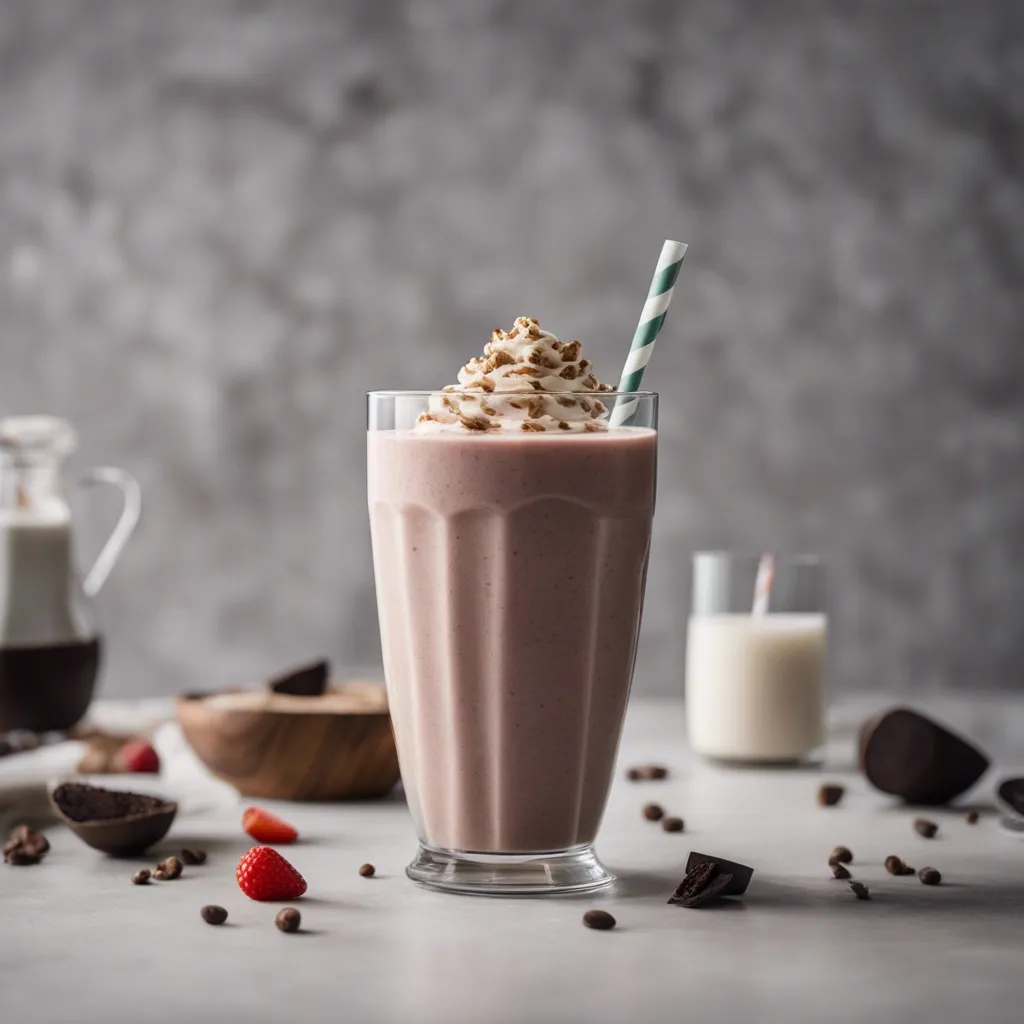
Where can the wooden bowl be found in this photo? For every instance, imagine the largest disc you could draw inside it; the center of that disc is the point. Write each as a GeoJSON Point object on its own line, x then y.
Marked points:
{"type": "Point", "coordinates": [338, 746]}
{"type": "Point", "coordinates": [126, 824]}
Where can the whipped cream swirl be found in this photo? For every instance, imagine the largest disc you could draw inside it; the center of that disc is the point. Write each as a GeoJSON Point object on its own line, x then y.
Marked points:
{"type": "Point", "coordinates": [526, 380]}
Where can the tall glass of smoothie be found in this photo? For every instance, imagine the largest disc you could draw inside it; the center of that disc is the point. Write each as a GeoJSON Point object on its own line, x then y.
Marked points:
{"type": "Point", "coordinates": [511, 526]}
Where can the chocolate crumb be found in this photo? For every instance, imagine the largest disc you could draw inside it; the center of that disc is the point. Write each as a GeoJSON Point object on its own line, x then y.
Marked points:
{"type": "Point", "coordinates": [672, 824]}
{"type": "Point", "coordinates": [653, 812]}
{"type": "Point", "coordinates": [288, 920]}
{"type": "Point", "coordinates": [830, 794]}
{"type": "Point", "coordinates": [971, 817]}
{"type": "Point", "coordinates": [860, 890]}
{"type": "Point", "coordinates": [929, 876]}
{"type": "Point", "coordinates": [841, 871]}
{"type": "Point", "coordinates": [367, 870]}
{"type": "Point", "coordinates": [895, 866]}
{"type": "Point", "coordinates": [840, 855]}
{"type": "Point", "coordinates": [213, 914]}
{"type": "Point", "coordinates": [25, 846]}
{"type": "Point", "coordinates": [81, 802]}
{"type": "Point", "coordinates": [600, 920]}
{"type": "Point", "coordinates": [141, 877]}
{"type": "Point", "coordinates": [170, 867]}
{"type": "Point", "coordinates": [159, 875]}
{"type": "Point", "coordinates": [924, 827]}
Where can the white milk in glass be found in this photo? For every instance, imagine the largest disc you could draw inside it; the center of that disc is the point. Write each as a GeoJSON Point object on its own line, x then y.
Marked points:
{"type": "Point", "coordinates": [755, 685]}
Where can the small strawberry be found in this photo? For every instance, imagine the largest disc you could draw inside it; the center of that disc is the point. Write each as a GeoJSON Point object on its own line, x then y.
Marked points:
{"type": "Point", "coordinates": [138, 756]}
{"type": "Point", "coordinates": [263, 874]}
{"type": "Point", "coordinates": [265, 827]}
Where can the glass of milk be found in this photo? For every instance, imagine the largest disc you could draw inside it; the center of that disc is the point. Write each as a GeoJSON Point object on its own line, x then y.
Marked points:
{"type": "Point", "coordinates": [756, 657]}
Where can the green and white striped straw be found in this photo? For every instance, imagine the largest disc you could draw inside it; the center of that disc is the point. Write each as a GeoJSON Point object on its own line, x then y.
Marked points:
{"type": "Point", "coordinates": [651, 321]}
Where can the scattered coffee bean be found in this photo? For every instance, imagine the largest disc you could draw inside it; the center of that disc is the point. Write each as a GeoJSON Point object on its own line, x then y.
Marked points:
{"type": "Point", "coordinates": [840, 855]}
{"type": "Point", "coordinates": [926, 828]}
{"type": "Point", "coordinates": [647, 772]}
{"type": "Point", "coordinates": [860, 890]}
{"type": "Point", "coordinates": [830, 794]}
{"type": "Point", "coordinates": [634, 775]}
{"type": "Point", "coordinates": [654, 812]}
{"type": "Point", "coordinates": [25, 846]}
{"type": "Point", "coordinates": [367, 870]}
{"type": "Point", "coordinates": [894, 865]}
{"type": "Point", "coordinates": [193, 857]}
{"type": "Point", "coordinates": [840, 871]}
{"type": "Point", "coordinates": [288, 920]}
{"type": "Point", "coordinates": [212, 914]}
{"type": "Point", "coordinates": [705, 883]}
{"type": "Point", "coordinates": [141, 877]}
{"type": "Point", "coordinates": [159, 875]}
{"type": "Point", "coordinates": [929, 876]}
{"type": "Point", "coordinates": [600, 920]}
{"type": "Point", "coordinates": [971, 817]}
{"type": "Point", "coordinates": [170, 867]}
{"type": "Point", "coordinates": [672, 824]}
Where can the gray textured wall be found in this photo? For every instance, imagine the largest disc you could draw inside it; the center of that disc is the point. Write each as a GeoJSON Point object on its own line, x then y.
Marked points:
{"type": "Point", "coordinates": [221, 222]}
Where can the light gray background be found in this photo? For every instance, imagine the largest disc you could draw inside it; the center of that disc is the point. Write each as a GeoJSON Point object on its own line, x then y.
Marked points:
{"type": "Point", "coordinates": [220, 223]}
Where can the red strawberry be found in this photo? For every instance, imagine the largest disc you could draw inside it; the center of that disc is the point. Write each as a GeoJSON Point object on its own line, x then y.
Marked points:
{"type": "Point", "coordinates": [265, 827]}
{"type": "Point", "coordinates": [138, 756]}
{"type": "Point", "coordinates": [263, 874]}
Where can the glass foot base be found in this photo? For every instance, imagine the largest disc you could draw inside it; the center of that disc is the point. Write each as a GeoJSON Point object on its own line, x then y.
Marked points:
{"type": "Point", "coordinates": [510, 874]}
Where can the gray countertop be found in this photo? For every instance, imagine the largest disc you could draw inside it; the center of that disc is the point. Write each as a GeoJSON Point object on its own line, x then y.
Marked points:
{"type": "Point", "coordinates": [79, 943]}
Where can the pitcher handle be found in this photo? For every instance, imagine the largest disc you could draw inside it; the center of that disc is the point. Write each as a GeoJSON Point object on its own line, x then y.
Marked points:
{"type": "Point", "coordinates": [129, 518]}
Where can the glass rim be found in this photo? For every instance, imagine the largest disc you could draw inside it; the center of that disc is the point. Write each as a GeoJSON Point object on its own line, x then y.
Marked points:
{"type": "Point", "coordinates": [477, 393]}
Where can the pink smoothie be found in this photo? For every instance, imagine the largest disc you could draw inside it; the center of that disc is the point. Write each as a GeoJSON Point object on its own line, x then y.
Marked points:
{"type": "Point", "coordinates": [510, 575]}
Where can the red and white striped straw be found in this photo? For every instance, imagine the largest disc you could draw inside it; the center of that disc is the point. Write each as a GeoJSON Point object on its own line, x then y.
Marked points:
{"type": "Point", "coordinates": [763, 584]}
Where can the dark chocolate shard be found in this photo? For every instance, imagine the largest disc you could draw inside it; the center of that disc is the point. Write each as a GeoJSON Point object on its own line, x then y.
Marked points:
{"type": "Point", "coordinates": [1011, 793]}
{"type": "Point", "coordinates": [701, 886]}
{"type": "Point", "coordinates": [741, 874]}
{"type": "Point", "coordinates": [910, 756]}
{"type": "Point", "coordinates": [308, 681]}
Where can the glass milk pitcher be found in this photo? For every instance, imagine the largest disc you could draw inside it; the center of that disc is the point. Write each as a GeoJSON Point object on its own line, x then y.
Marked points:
{"type": "Point", "coordinates": [49, 647]}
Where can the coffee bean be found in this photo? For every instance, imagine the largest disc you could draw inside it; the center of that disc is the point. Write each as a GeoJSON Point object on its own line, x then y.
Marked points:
{"type": "Point", "coordinates": [159, 875]}
{"type": "Point", "coordinates": [929, 876]}
{"type": "Point", "coordinates": [171, 867]}
{"type": "Point", "coordinates": [193, 857]}
{"type": "Point", "coordinates": [672, 824]}
{"type": "Point", "coordinates": [25, 846]}
{"type": "Point", "coordinates": [654, 812]}
{"type": "Point", "coordinates": [647, 772]}
{"type": "Point", "coordinates": [894, 865]}
{"type": "Point", "coordinates": [830, 794]}
{"type": "Point", "coordinates": [367, 870]}
{"type": "Point", "coordinates": [634, 775]}
{"type": "Point", "coordinates": [860, 890]}
{"type": "Point", "coordinates": [840, 871]}
{"type": "Point", "coordinates": [840, 855]}
{"type": "Point", "coordinates": [600, 920]}
{"type": "Point", "coordinates": [212, 914]}
{"type": "Point", "coordinates": [926, 828]}
{"type": "Point", "coordinates": [971, 817]}
{"type": "Point", "coordinates": [288, 920]}
{"type": "Point", "coordinates": [657, 771]}
{"type": "Point", "coordinates": [141, 877]}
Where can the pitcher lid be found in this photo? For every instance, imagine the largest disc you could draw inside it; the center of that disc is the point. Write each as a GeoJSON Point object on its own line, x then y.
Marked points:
{"type": "Point", "coordinates": [37, 434]}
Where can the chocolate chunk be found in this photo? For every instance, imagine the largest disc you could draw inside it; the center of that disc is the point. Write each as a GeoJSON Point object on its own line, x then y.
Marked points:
{"type": "Point", "coordinates": [141, 877]}
{"type": "Point", "coordinates": [840, 871]}
{"type": "Point", "coordinates": [1011, 792]}
{"type": "Point", "coordinates": [367, 870]}
{"type": "Point", "coordinates": [860, 890]}
{"type": "Point", "coordinates": [830, 794]}
{"type": "Point", "coordinates": [308, 681]}
{"type": "Point", "coordinates": [213, 914]}
{"type": "Point", "coordinates": [929, 876]}
{"type": "Point", "coordinates": [896, 866]}
{"type": "Point", "coordinates": [912, 757]}
{"type": "Point", "coordinates": [653, 812]}
{"type": "Point", "coordinates": [193, 857]}
{"type": "Point", "coordinates": [926, 828]}
{"type": "Point", "coordinates": [705, 883]}
{"type": "Point", "coordinates": [971, 817]}
{"type": "Point", "coordinates": [288, 920]}
{"type": "Point", "coordinates": [672, 824]}
{"type": "Point", "coordinates": [600, 920]}
{"type": "Point", "coordinates": [741, 874]}
{"type": "Point", "coordinates": [840, 855]}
